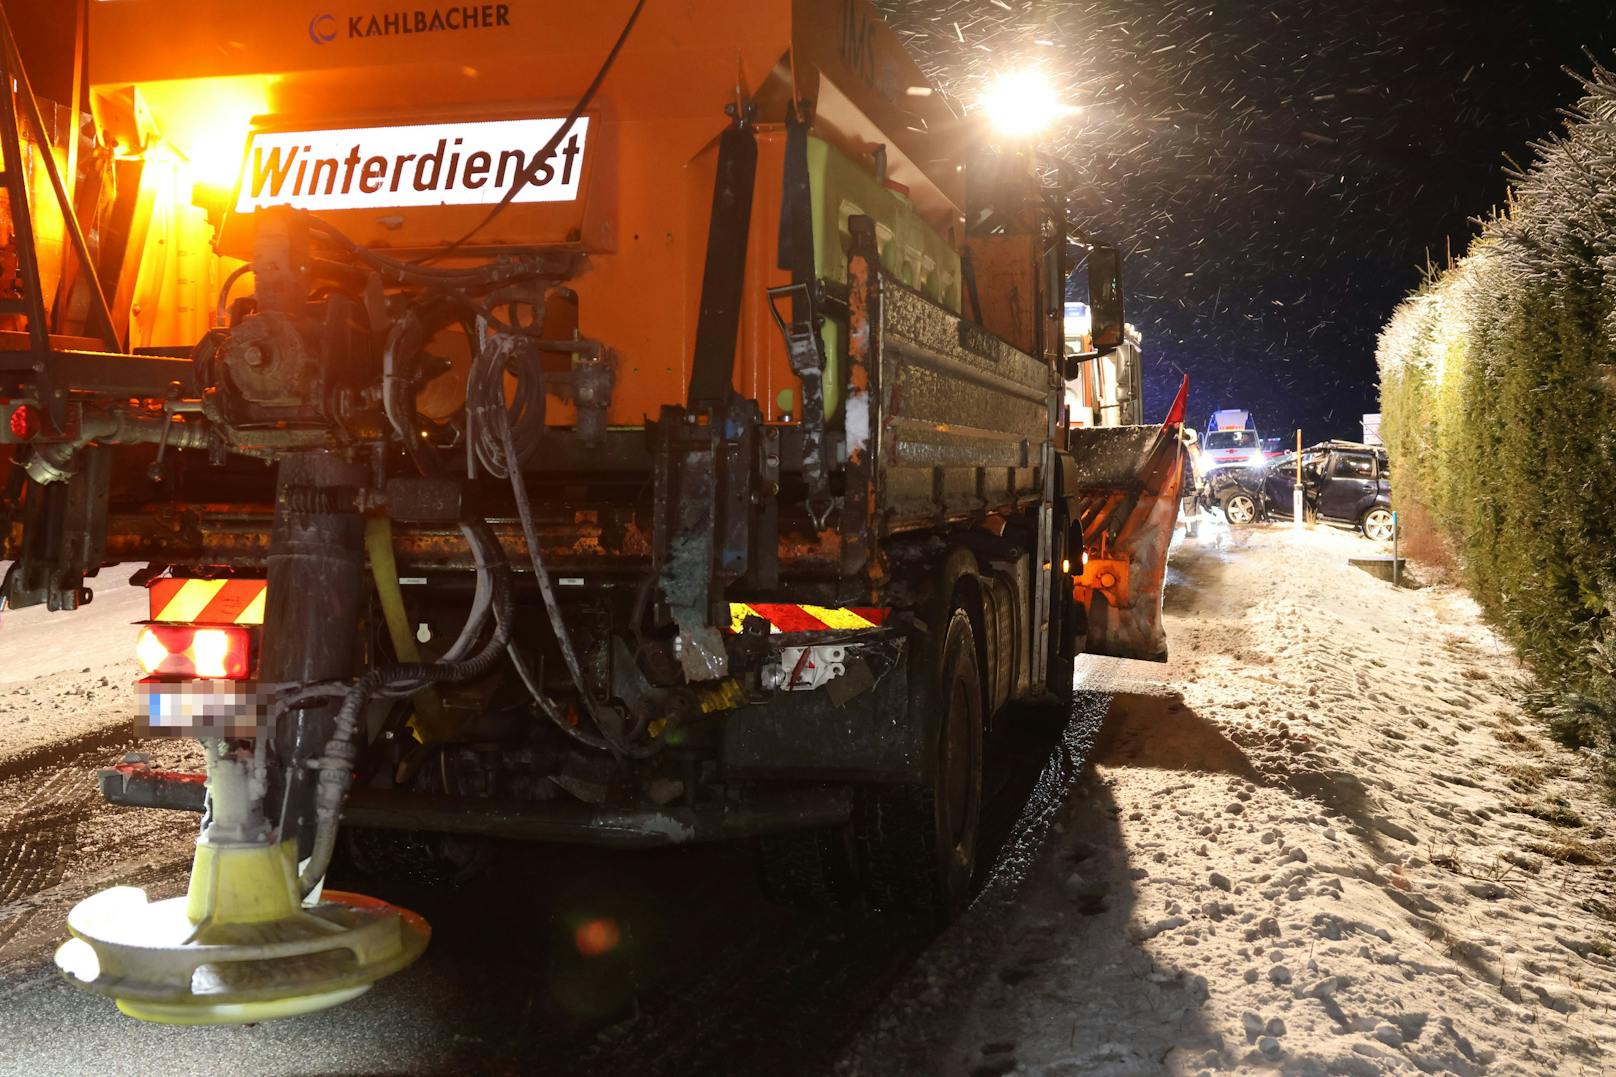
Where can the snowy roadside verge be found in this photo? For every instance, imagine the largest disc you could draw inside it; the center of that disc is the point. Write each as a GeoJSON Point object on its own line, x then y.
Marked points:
{"type": "Point", "coordinates": [67, 679]}
{"type": "Point", "coordinates": [1323, 839]}
{"type": "Point", "coordinates": [66, 710]}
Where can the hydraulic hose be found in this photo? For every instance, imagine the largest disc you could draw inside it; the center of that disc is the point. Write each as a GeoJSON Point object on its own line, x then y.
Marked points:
{"type": "Point", "coordinates": [482, 604]}
{"type": "Point", "coordinates": [397, 402]}
{"type": "Point", "coordinates": [336, 765]}
{"type": "Point", "coordinates": [485, 396]}
{"type": "Point", "coordinates": [515, 354]}
{"type": "Point", "coordinates": [524, 178]}
{"type": "Point", "coordinates": [224, 291]}
{"type": "Point", "coordinates": [548, 705]}
{"type": "Point", "coordinates": [552, 606]}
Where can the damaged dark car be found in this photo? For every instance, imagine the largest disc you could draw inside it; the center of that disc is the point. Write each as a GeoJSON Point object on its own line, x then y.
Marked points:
{"type": "Point", "coordinates": [1344, 484]}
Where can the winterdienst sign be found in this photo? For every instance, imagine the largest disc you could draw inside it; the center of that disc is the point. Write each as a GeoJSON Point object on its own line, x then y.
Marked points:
{"type": "Point", "coordinates": [437, 164]}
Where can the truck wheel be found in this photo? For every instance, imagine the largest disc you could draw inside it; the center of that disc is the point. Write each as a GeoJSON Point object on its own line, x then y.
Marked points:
{"type": "Point", "coordinates": [917, 843]}
{"type": "Point", "coordinates": [806, 869]}
{"type": "Point", "coordinates": [1064, 620]}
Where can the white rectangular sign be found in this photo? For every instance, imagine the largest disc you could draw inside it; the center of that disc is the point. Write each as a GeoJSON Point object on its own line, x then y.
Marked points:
{"type": "Point", "coordinates": [430, 164]}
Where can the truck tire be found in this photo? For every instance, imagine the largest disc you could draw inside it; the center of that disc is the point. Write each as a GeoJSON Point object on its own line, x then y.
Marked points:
{"type": "Point", "coordinates": [1065, 617]}
{"type": "Point", "coordinates": [916, 844]}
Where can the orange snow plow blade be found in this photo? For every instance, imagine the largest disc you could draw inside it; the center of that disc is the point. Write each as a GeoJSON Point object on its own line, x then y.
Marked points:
{"type": "Point", "coordinates": [1128, 481]}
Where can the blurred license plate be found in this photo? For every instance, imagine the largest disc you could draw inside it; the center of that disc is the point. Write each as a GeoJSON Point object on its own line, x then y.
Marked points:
{"type": "Point", "coordinates": [200, 709]}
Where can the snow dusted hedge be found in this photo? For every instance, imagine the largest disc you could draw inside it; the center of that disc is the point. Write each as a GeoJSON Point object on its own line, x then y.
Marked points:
{"type": "Point", "coordinates": [1499, 397]}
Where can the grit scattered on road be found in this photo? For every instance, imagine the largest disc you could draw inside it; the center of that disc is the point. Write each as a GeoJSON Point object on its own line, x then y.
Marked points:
{"type": "Point", "coordinates": [65, 677]}
{"type": "Point", "coordinates": [65, 706]}
{"type": "Point", "coordinates": [1323, 840]}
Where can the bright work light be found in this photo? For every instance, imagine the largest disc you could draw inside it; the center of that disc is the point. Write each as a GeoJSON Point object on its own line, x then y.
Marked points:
{"type": "Point", "coordinates": [1023, 103]}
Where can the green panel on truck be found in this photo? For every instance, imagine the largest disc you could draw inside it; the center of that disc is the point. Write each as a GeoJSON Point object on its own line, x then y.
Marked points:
{"type": "Point", "coordinates": [910, 250]}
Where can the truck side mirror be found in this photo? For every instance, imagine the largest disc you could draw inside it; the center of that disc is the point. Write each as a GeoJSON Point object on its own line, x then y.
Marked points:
{"type": "Point", "coordinates": [1105, 297]}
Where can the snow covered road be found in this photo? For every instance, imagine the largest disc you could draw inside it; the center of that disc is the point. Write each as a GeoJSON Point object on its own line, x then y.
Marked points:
{"type": "Point", "coordinates": [1323, 840]}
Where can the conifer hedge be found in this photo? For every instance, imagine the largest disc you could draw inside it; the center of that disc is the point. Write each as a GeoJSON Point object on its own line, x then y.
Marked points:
{"type": "Point", "coordinates": [1498, 394]}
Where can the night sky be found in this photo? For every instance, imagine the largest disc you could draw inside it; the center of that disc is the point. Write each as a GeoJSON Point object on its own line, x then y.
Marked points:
{"type": "Point", "coordinates": [1277, 172]}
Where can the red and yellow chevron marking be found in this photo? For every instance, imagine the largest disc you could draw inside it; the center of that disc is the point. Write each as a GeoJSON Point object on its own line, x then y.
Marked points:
{"type": "Point", "coordinates": [793, 617]}
{"type": "Point", "coordinates": [208, 602]}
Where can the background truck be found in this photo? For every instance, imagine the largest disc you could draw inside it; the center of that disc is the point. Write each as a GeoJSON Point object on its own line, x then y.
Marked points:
{"type": "Point", "coordinates": [629, 424]}
{"type": "Point", "coordinates": [1108, 389]}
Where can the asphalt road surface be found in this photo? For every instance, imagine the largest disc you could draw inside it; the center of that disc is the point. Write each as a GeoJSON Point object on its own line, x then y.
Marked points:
{"type": "Point", "coordinates": [706, 976]}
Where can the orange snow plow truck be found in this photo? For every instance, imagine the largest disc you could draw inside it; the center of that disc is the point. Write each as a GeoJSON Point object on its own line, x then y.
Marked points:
{"type": "Point", "coordinates": [623, 423]}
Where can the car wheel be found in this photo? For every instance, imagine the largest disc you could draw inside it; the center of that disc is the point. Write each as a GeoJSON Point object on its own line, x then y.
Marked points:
{"type": "Point", "coordinates": [1239, 508]}
{"type": "Point", "coordinates": [1378, 524]}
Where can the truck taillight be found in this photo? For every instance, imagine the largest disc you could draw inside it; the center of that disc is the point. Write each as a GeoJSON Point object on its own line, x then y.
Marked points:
{"type": "Point", "coordinates": [190, 651]}
{"type": "Point", "coordinates": [26, 422]}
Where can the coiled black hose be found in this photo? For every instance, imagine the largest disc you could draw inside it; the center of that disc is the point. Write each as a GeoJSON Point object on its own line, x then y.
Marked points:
{"type": "Point", "coordinates": [485, 401]}
{"type": "Point", "coordinates": [404, 341]}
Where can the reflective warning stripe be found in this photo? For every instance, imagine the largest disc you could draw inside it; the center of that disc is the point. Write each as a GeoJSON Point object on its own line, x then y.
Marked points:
{"type": "Point", "coordinates": [185, 600]}
{"type": "Point", "coordinates": [795, 617]}
{"type": "Point", "coordinates": [215, 602]}
{"type": "Point", "coordinates": [840, 618]}
{"type": "Point", "coordinates": [254, 613]}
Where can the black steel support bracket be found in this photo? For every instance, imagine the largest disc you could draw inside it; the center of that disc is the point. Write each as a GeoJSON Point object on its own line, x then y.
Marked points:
{"type": "Point", "coordinates": [64, 535]}
{"type": "Point", "coordinates": [805, 344]}
{"type": "Point", "coordinates": [723, 278]}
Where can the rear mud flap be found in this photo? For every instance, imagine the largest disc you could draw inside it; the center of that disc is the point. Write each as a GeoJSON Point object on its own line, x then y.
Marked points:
{"type": "Point", "coordinates": [1127, 498]}
{"type": "Point", "coordinates": [815, 737]}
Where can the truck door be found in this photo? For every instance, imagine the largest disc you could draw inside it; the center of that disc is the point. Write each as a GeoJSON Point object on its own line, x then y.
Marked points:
{"type": "Point", "coordinates": [1349, 488]}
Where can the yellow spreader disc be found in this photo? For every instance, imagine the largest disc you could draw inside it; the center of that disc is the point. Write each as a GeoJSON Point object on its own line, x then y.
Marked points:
{"type": "Point", "coordinates": [240, 947]}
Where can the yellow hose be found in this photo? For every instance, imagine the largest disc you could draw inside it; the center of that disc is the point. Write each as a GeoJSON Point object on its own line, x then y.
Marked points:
{"type": "Point", "coordinates": [429, 722]}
